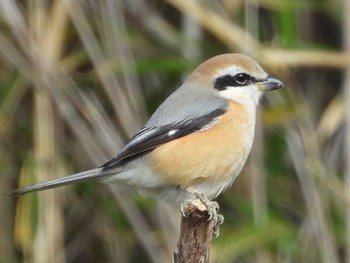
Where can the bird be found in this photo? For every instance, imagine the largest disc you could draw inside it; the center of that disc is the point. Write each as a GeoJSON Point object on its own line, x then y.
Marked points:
{"type": "Point", "coordinates": [196, 142]}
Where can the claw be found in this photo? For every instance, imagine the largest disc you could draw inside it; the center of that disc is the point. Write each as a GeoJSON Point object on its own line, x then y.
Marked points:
{"type": "Point", "coordinates": [182, 208]}
{"type": "Point", "coordinates": [212, 208]}
{"type": "Point", "coordinates": [216, 228]}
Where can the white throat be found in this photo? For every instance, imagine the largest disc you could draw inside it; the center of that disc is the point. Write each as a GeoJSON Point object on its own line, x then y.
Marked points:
{"type": "Point", "coordinates": [248, 96]}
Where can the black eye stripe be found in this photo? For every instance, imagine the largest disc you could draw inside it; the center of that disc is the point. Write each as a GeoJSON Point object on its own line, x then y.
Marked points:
{"type": "Point", "coordinates": [238, 80]}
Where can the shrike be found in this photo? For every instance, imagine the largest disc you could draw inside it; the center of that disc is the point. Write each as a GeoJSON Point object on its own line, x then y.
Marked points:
{"type": "Point", "coordinates": [197, 141]}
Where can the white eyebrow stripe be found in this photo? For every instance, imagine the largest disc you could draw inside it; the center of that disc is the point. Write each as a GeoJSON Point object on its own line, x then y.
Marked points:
{"type": "Point", "coordinates": [229, 71]}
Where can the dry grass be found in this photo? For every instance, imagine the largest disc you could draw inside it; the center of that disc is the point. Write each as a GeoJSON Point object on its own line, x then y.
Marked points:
{"type": "Point", "coordinates": [74, 87]}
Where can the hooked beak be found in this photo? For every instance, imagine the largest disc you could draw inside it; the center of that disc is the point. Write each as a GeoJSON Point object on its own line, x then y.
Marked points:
{"type": "Point", "coordinates": [269, 84]}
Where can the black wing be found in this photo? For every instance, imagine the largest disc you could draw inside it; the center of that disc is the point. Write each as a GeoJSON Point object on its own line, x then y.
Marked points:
{"type": "Point", "coordinates": [149, 138]}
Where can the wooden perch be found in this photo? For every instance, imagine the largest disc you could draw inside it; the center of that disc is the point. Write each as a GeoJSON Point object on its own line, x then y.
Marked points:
{"type": "Point", "coordinates": [196, 234]}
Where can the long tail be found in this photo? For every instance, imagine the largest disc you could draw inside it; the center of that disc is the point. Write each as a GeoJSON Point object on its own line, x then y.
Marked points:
{"type": "Point", "coordinates": [93, 174]}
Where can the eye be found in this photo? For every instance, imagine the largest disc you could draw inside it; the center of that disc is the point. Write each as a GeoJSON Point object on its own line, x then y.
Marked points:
{"type": "Point", "coordinates": [241, 79]}
{"type": "Point", "coordinates": [238, 80]}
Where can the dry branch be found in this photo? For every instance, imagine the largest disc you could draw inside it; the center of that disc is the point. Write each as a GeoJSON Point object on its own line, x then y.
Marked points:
{"type": "Point", "coordinates": [195, 234]}
{"type": "Point", "coordinates": [236, 38]}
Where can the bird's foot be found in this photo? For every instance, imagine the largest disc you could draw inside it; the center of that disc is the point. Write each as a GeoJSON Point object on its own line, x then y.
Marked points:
{"type": "Point", "coordinates": [216, 228]}
{"type": "Point", "coordinates": [212, 208]}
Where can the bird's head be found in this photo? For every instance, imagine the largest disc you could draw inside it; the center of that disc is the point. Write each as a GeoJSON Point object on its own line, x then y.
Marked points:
{"type": "Point", "coordinates": [235, 77]}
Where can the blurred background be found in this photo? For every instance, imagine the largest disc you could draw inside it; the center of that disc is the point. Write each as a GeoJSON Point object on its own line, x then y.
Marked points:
{"type": "Point", "coordinates": [80, 77]}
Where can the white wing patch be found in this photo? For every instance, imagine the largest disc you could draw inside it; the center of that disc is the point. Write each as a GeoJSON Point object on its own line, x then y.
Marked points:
{"type": "Point", "coordinates": [172, 132]}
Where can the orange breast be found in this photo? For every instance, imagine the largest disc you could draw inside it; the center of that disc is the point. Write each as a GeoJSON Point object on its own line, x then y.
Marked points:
{"type": "Point", "coordinates": [210, 156]}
